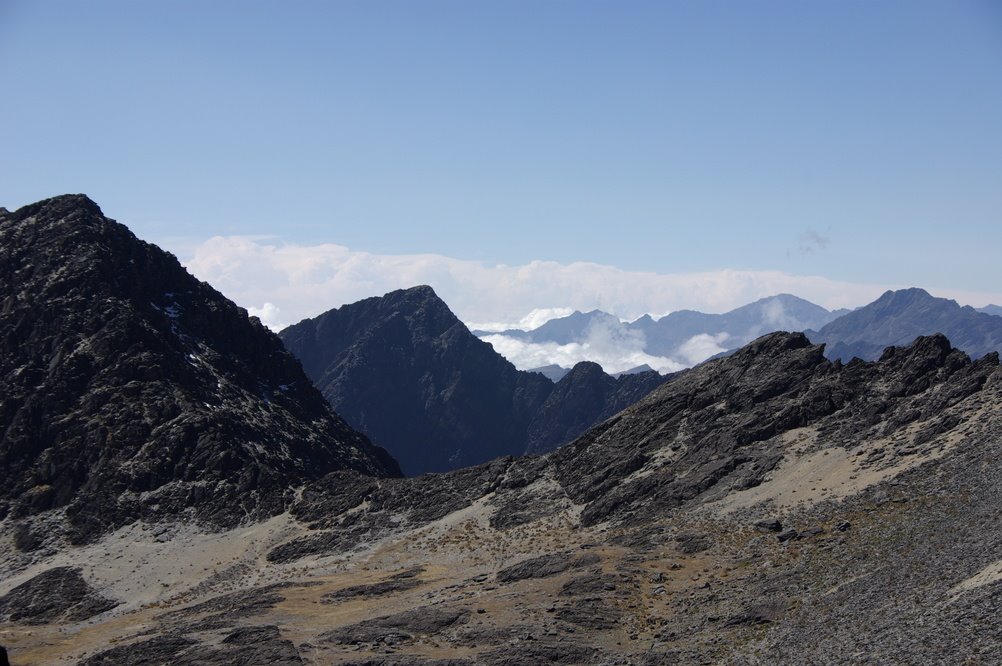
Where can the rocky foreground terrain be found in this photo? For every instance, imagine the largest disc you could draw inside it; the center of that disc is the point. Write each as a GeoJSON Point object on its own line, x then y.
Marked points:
{"type": "Point", "coordinates": [771, 507]}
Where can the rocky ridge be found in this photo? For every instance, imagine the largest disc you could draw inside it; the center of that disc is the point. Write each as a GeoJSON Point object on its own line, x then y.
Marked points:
{"type": "Point", "coordinates": [132, 390]}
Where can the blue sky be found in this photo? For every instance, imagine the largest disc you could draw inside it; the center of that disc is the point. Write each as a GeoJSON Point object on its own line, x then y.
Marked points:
{"type": "Point", "coordinates": [860, 141]}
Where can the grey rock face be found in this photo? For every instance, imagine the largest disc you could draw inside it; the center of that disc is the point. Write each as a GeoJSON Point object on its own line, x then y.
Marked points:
{"type": "Point", "coordinates": [546, 565]}
{"type": "Point", "coordinates": [133, 390]}
{"type": "Point", "coordinates": [246, 646]}
{"type": "Point", "coordinates": [58, 595]}
{"type": "Point", "coordinates": [583, 397]}
{"type": "Point", "coordinates": [715, 424]}
{"type": "Point", "coordinates": [400, 627]}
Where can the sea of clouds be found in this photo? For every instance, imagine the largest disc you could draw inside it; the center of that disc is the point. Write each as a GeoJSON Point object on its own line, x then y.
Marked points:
{"type": "Point", "coordinates": [283, 283]}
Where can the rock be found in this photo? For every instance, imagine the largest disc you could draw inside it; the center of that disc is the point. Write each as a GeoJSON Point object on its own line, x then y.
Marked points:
{"type": "Point", "coordinates": [590, 614]}
{"type": "Point", "coordinates": [768, 525]}
{"type": "Point", "coordinates": [542, 652]}
{"type": "Point", "coordinates": [760, 613]}
{"type": "Point", "coordinates": [692, 542]}
{"type": "Point", "coordinates": [158, 651]}
{"type": "Point", "coordinates": [589, 584]}
{"type": "Point", "coordinates": [57, 595]}
{"type": "Point", "coordinates": [400, 582]}
{"type": "Point", "coordinates": [397, 628]}
{"type": "Point", "coordinates": [247, 646]}
{"type": "Point", "coordinates": [546, 565]}
{"type": "Point", "coordinates": [133, 390]}
{"type": "Point", "coordinates": [787, 535]}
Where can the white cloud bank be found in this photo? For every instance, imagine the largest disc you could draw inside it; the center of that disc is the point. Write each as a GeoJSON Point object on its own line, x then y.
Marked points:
{"type": "Point", "coordinates": [283, 283]}
{"type": "Point", "coordinates": [614, 348]}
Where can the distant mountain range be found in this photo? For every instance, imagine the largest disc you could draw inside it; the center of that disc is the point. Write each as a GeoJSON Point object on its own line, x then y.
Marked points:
{"type": "Point", "coordinates": [689, 337]}
{"type": "Point", "coordinates": [685, 337]}
{"type": "Point", "coordinates": [404, 369]}
{"type": "Point", "coordinates": [992, 310]}
{"type": "Point", "coordinates": [898, 317]}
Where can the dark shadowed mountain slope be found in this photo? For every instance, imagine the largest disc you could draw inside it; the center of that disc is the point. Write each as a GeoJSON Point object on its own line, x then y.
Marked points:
{"type": "Point", "coordinates": [898, 317]}
{"type": "Point", "coordinates": [583, 397]}
{"type": "Point", "coordinates": [405, 370]}
{"type": "Point", "coordinates": [130, 388]}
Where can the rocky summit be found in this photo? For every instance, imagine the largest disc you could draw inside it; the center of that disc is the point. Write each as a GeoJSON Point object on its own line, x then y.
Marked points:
{"type": "Point", "coordinates": [405, 370]}
{"type": "Point", "coordinates": [133, 391]}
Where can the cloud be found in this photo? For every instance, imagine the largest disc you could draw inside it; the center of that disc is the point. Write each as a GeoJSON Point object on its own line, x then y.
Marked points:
{"type": "Point", "coordinates": [536, 318]}
{"type": "Point", "coordinates": [700, 347]}
{"type": "Point", "coordinates": [613, 347]}
{"type": "Point", "coordinates": [305, 280]}
{"type": "Point", "coordinates": [270, 315]}
{"type": "Point", "coordinates": [811, 241]}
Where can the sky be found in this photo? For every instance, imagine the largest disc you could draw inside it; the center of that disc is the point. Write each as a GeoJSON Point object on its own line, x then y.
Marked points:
{"type": "Point", "coordinates": [631, 156]}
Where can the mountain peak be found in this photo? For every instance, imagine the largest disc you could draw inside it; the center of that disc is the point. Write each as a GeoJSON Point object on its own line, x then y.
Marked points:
{"type": "Point", "coordinates": [908, 295]}
{"type": "Point", "coordinates": [123, 357]}
{"type": "Point", "coordinates": [774, 344]}
{"type": "Point", "coordinates": [59, 206]}
{"type": "Point", "coordinates": [898, 317]}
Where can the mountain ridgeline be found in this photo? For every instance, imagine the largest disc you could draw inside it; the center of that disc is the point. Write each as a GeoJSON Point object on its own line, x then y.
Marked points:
{"type": "Point", "coordinates": [131, 389]}
{"type": "Point", "coordinates": [898, 317]}
{"type": "Point", "coordinates": [405, 370]}
{"type": "Point", "coordinates": [688, 337]}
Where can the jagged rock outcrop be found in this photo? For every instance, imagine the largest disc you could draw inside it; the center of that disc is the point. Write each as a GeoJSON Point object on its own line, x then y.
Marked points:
{"type": "Point", "coordinates": [717, 428]}
{"type": "Point", "coordinates": [898, 317]}
{"type": "Point", "coordinates": [59, 594]}
{"type": "Point", "coordinates": [404, 369]}
{"type": "Point", "coordinates": [131, 389]}
{"type": "Point", "coordinates": [583, 397]}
